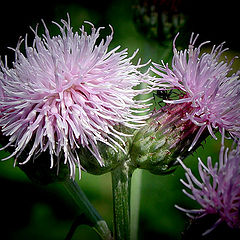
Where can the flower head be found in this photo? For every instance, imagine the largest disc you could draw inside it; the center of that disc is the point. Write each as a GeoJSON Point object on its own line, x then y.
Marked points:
{"type": "Point", "coordinates": [68, 92]}
{"type": "Point", "coordinates": [204, 83]}
{"type": "Point", "coordinates": [218, 192]}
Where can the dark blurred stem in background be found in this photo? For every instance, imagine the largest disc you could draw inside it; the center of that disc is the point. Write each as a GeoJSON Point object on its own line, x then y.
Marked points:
{"type": "Point", "coordinates": [89, 215]}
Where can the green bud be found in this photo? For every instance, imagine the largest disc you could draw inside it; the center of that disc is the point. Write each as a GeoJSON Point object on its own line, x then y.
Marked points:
{"type": "Point", "coordinates": [165, 137]}
{"type": "Point", "coordinates": [159, 20]}
{"type": "Point", "coordinates": [111, 158]}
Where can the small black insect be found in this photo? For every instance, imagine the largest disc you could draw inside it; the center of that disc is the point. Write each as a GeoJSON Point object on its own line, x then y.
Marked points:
{"type": "Point", "coordinates": [163, 94]}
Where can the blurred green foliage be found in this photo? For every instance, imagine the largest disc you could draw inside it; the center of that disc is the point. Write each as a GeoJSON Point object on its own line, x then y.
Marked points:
{"type": "Point", "coordinates": [30, 211]}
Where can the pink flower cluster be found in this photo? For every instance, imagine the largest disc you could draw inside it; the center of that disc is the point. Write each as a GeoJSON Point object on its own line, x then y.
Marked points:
{"type": "Point", "coordinates": [68, 92]}
{"type": "Point", "coordinates": [218, 192]}
{"type": "Point", "coordinates": [210, 96]}
{"type": "Point", "coordinates": [206, 83]}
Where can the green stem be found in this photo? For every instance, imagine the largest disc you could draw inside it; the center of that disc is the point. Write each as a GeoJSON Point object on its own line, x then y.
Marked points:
{"type": "Point", "coordinates": [135, 203]}
{"type": "Point", "coordinates": [91, 216]}
{"type": "Point", "coordinates": [121, 184]}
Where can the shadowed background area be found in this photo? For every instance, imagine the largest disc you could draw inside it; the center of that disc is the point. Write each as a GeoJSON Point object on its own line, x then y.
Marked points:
{"type": "Point", "coordinates": [30, 211]}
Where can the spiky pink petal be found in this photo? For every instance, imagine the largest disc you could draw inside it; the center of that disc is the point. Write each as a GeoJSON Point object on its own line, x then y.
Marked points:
{"type": "Point", "coordinates": [218, 191]}
{"type": "Point", "coordinates": [206, 83]}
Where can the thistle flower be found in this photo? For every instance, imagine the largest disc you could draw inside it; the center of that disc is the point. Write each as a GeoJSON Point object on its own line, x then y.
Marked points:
{"type": "Point", "coordinates": [204, 82]}
{"type": "Point", "coordinates": [67, 92]}
{"type": "Point", "coordinates": [218, 192]}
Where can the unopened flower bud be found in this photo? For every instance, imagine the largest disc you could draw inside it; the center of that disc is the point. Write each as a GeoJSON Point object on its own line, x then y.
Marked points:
{"type": "Point", "coordinates": [165, 137]}
{"type": "Point", "coordinates": [159, 20]}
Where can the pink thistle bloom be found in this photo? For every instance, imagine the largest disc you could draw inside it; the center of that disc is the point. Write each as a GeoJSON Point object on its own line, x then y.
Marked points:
{"type": "Point", "coordinates": [204, 83]}
{"type": "Point", "coordinates": [218, 192]}
{"type": "Point", "coordinates": [68, 92]}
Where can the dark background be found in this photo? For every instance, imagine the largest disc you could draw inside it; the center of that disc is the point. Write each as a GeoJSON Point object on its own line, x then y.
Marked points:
{"type": "Point", "coordinates": [30, 211]}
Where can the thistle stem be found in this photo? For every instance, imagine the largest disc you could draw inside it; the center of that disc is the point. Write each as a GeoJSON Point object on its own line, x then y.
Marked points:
{"type": "Point", "coordinates": [121, 184]}
{"type": "Point", "coordinates": [135, 203]}
{"type": "Point", "coordinates": [90, 216]}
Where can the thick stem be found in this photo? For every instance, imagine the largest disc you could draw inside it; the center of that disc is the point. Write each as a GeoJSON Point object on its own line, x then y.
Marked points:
{"type": "Point", "coordinates": [91, 216]}
{"type": "Point", "coordinates": [121, 184]}
{"type": "Point", "coordinates": [135, 203]}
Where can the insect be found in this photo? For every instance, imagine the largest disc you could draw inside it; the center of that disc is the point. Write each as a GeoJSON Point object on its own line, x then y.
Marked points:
{"type": "Point", "coordinates": [163, 94]}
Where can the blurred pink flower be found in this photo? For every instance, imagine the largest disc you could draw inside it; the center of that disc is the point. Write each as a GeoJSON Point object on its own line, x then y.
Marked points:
{"type": "Point", "coordinates": [204, 82]}
{"type": "Point", "coordinates": [218, 192]}
{"type": "Point", "coordinates": [68, 92]}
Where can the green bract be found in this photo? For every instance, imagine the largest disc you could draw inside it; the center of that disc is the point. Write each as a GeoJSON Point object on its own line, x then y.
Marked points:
{"type": "Point", "coordinates": [165, 137]}
{"type": "Point", "coordinates": [110, 157]}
